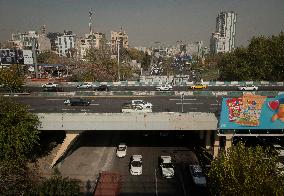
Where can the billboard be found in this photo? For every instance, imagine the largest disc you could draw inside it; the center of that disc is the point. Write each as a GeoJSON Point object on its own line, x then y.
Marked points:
{"type": "Point", "coordinates": [252, 112]}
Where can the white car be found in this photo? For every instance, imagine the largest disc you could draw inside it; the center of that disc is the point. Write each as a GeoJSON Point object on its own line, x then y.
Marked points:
{"type": "Point", "coordinates": [121, 150]}
{"type": "Point", "coordinates": [197, 175]}
{"type": "Point", "coordinates": [165, 87]}
{"type": "Point", "coordinates": [167, 167]}
{"type": "Point", "coordinates": [131, 108]}
{"type": "Point", "coordinates": [136, 165]}
{"type": "Point", "coordinates": [248, 88]}
{"type": "Point", "coordinates": [85, 85]}
{"type": "Point", "coordinates": [142, 103]}
{"type": "Point", "coordinates": [50, 85]}
{"type": "Point", "coordinates": [279, 149]}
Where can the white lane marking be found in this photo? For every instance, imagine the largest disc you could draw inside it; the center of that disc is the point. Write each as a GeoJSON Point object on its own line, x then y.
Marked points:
{"type": "Point", "coordinates": [215, 104]}
{"type": "Point", "coordinates": [67, 109]}
{"type": "Point", "coordinates": [55, 99]}
{"type": "Point", "coordinates": [31, 109]}
{"type": "Point", "coordinates": [190, 103]}
{"type": "Point", "coordinates": [184, 99]}
{"type": "Point", "coordinates": [94, 104]}
{"type": "Point", "coordinates": [84, 110]}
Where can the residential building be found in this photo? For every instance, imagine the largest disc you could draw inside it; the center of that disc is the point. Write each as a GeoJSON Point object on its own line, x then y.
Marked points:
{"type": "Point", "coordinates": [223, 40]}
{"type": "Point", "coordinates": [65, 43]}
{"type": "Point", "coordinates": [93, 40]}
{"type": "Point", "coordinates": [118, 38]}
{"type": "Point", "coordinates": [24, 41]}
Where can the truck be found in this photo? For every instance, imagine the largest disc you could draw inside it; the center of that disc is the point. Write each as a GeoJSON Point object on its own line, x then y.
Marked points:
{"type": "Point", "coordinates": [108, 184]}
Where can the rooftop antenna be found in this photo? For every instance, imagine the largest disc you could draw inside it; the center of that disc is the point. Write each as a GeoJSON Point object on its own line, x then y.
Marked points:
{"type": "Point", "coordinates": [90, 21]}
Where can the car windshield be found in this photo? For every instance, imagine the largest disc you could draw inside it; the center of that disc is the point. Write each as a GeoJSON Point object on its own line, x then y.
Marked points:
{"type": "Point", "coordinates": [197, 172]}
{"type": "Point", "coordinates": [136, 164]}
{"type": "Point", "coordinates": [167, 165]}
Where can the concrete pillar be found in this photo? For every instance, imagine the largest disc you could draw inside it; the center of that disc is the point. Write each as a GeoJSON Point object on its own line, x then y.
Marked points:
{"type": "Point", "coordinates": [208, 139]}
{"type": "Point", "coordinates": [201, 135]}
{"type": "Point", "coordinates": [229, 141]}
{"type": "Point", "coordinates": [216, 147]}
{"type": "Point", "coordinates": [67, 142]}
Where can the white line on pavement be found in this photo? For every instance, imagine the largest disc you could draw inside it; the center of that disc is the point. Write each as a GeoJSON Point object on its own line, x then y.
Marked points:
{"type": "Point", "coordinates": [184, 99]}
{"type": "Point", "coordinates": [54, 99]}
{"type": "Point", "coordinates": [189, 103]}
{"type": "Point", "coordinates": [94, 104]}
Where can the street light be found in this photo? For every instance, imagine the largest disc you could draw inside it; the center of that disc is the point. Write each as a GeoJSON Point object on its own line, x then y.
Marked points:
{"type": "Point", "coordinates": [182, 98]}
{"type": "Point", "coordinates": [118, 71]}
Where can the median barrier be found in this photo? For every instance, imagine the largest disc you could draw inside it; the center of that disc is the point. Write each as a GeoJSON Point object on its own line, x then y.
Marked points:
{"type": "Point", "coordinates": [144, 93]}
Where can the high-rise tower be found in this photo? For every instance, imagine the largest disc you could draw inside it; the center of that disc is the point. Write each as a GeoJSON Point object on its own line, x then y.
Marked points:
{"type": "Point", "coordinates": [223, 40]}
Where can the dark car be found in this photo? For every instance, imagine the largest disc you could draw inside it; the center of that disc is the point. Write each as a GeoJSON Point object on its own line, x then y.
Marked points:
{"type": "Point", "coordinates": [77, 102]}
{"type": "Point", "coordinates": [101, 88]}
{"type": "Point", "coordinates": [53, 89]}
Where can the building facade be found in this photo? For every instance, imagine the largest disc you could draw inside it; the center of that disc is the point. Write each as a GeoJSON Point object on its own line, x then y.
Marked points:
{"type": "Point", "coordinates": [24, 41]}
{"type": "Point", "coordinates": [223, 40]}
{"type": "Point", "coordinates": [65, 43]}
{"type": "Point", "coordinates": [93, 40]}
{"type": "Point", "coordinates": [118, 38]}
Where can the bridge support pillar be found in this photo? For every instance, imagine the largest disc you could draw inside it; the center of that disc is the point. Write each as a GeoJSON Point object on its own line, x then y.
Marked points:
{"type": "Point", "coordinates": [68, 141]}
{"type": "Point", "coordinates": [216, 146]}
{"type": "Point", "coordinates": [229, 141]}
{"type": "Point", "coordinates": [201, 135]}
{"type": "Point", "coordinates": [208, 139]}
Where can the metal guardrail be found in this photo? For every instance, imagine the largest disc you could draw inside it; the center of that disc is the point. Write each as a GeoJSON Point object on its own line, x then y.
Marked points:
{"type": "Point", "coordinates": [142, 93]}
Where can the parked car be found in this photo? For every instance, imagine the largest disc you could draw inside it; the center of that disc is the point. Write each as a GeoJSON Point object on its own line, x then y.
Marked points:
{"type": "Point", "coordinates": [53, 89]}
{"type": "Point", "coordinates": [85, 85]}
{"type": "Point", "coordinates": [248, 88]}
{"type": "Point", "coordinates": [77, 102]}
{"type": "Point", "coordinates": [49, 84]}
{"type": "Point", "coordinates": [197, 175]}
{"type": "Point", "coordinates": [166, 87]}
{"type": "Point", "coordinates": [101, 88]}
{"type": "Point", "coordinates": [121, 150]}
{"type": "Point", "coordinates": [279, 149]}
{"type": "Point", "coordinates": [166, 165]}
{"type": "Point", "coordinates": [136, 165]}
{"type": "Point", "coordinates": [198, 86]}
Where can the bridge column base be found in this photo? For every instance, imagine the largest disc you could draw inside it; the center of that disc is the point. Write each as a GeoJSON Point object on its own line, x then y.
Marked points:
{"type": "Point", "coordinates": [216, 146]}
{"type": "Point", "coordinates": [68, 141]}
{"type": "Point", "coordinates": [208, 140]}
{"type": "Point", "coordinates": [229, 141]}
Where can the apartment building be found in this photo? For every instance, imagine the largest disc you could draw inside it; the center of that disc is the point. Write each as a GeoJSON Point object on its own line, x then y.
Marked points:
{"type": "Point", "coordinates": [118, 38]}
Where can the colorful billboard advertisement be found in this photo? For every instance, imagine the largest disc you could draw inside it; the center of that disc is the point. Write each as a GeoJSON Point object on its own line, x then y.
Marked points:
{"type": "Point", "coordinates": [252, 112]}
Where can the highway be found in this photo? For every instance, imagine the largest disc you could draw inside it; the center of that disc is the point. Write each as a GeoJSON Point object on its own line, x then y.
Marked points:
{"type": "Point", "coordinates": [152, 88]}
{"type": "Point", "coordinates": [113, 104]}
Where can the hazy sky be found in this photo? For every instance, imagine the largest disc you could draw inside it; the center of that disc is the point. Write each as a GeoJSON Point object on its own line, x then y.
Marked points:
{"type": "Point", "coordinates": [145, 21]}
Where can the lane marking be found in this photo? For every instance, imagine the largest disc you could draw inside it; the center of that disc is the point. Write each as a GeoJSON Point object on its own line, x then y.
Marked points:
{"type": "Point", "coordinates": [94, 104]}
{"type": "Point", "coordinates": [184, 99]}
{"type": "Point", "coordinates": [215, 104]}
{"type": "Point", "coordinates": [55, 99]}
{"type": "Point", "coordinates": [190, 103]}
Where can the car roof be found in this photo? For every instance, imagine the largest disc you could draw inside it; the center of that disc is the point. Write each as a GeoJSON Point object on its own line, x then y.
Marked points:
{"type": "Point", "coordinates": [136, 157]}
{"type": "Point", "coordinates": [122, 145]}
{"type": "Point", "coordinates": [166, 159]}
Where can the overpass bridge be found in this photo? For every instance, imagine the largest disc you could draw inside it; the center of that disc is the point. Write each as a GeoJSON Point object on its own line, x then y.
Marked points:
{"type": "Point", "coordinates": [75, 123]}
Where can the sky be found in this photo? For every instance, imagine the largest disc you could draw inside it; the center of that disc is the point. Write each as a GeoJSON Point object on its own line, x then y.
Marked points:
{"type": "Point", "coordinates": [145, 21]}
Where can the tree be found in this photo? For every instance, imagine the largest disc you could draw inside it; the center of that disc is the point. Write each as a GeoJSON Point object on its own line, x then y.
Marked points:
{"type": "Point", "coordinates": [18, 130]}
{"type": "Point", "coordinates": [11, 78]}
{"type": "Point", "coordinates": [18, 137]}
{"type": "Point", "coordinates": [57, 185]}
{"type": "Point", "coordinates": [263, 59]}
{"type": "Point", "coordinates": [246, 171]}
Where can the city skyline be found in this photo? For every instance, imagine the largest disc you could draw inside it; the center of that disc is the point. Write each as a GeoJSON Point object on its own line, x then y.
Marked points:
{"type": "Point", "coordinates": [146, 22]}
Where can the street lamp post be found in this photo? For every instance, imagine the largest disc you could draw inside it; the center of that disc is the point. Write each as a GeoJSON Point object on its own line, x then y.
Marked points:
{"type": "Point", "coordinates": [182, 98]}
{"type": "Point", "coordinates": [118, 71]}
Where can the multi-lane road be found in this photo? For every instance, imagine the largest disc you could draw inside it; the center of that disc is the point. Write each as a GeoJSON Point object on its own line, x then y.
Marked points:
{"type": "Point", "coordinates": [110, 104]}
{"type": "Point", "coordinates": [153, 88]}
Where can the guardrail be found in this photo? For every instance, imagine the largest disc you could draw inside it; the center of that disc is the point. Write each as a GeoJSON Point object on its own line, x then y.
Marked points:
{"type": "Point", "coordinates": [143, 93]}
{"type": "Point", "coordinates": [137, 83]}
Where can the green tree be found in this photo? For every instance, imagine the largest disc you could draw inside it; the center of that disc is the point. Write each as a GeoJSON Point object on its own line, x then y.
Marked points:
{"type": "Point", "coordinates": [57, 185]}
{"type": "Point", "coordinates": [263, 59]}
{"type": "Point", "coordinates": [18, 130]}
{"type": "Point", "coordinates": [246, 171]}
{"type": "Point", "coordinates": [11, 78]}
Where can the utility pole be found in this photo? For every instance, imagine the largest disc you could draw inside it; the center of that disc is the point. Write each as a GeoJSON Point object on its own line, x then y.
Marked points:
{"type": "Point", "coordinates": [182, 98]}
{"type": "Point", "coordinates": [35, 56]}
{"type": "Point", "coordinates": [118, 71]}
